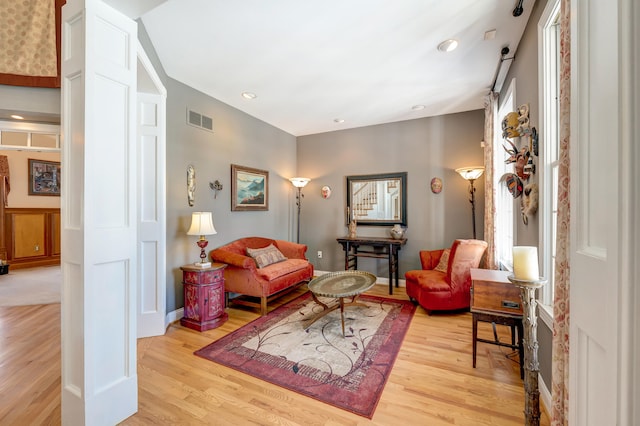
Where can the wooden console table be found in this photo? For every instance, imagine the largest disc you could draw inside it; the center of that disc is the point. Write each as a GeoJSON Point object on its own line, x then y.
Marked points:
{"type": "Point", "coordinates": [494, 299]}
{"type": "Point", "coordinates": [381, 248]}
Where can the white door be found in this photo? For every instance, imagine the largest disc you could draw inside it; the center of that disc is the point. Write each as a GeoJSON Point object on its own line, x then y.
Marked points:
{"type": "Point", "coordinates": [602, 219]}
{"type": "Point", "coordinates": [98, 207]}
{"type": "Point", "coordinates": [151, 303]}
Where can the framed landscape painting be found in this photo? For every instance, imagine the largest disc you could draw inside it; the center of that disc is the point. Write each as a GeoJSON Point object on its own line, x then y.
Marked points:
{"type": "Point", "coordinates": [44, 177]}
{"type": "Point", "coordinates": [249, 188]}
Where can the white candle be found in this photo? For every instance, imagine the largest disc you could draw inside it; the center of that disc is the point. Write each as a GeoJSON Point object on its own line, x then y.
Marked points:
{"type": "Point", "coordinates": [525, 263]}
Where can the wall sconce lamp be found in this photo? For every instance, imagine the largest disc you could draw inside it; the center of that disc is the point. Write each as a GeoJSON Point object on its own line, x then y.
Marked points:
{"type": "Point", "coordinates": [299, 182]}
{"type": "Point", "coordinates": [202, 224]}
{"type": "Point", "coordinates": [471, 174]}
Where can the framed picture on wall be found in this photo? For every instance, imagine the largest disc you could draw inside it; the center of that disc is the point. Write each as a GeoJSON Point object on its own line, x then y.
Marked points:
{"type": "Point", "coordinates": [249, 188]}
{"type": "Point", "coordinates": [44, 177]}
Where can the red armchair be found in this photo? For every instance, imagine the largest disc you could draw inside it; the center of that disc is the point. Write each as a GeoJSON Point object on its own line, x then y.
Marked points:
{"type": "Point", "coordinates": [436, 290]}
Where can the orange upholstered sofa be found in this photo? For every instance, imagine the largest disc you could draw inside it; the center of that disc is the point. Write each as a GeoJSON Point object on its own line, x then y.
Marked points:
{"type": "Point", "coordinates": [244, 277]}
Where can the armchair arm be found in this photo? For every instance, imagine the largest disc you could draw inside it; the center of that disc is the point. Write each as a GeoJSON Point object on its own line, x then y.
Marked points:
{"type": "Point", "coordinates": [291, 250]}
{"type": "Point", "coordinates": [231, 258]}
{"type": "Point", "coordinates": [430, 258]}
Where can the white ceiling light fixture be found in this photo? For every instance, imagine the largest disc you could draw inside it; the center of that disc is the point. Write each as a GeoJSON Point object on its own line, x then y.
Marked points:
{"type": "Point", "coordinates": [249, 95]}
{"type": "Point", "coordinates": [17, 117]}
{"type": "Point", "coordinates": [417, 107]}
{"type": "Point", "coordinates": [339, 120]}
{"type": "Point", "coordinates": [448, 45]}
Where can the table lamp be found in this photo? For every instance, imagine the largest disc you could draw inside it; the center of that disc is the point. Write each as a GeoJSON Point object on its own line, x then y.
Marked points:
{"type": "Point", "coordinates": [471, 174]}
{"type": "Point", "coordinates": [202, 224]}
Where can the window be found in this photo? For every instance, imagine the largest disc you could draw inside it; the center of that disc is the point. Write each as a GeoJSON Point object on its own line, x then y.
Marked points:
{"type": "Point", "coordinates": [504, 200]}
{"type": "Point", "coordinates": [29, 136]}
{"type": "Point", "coordinates": [549, 48]}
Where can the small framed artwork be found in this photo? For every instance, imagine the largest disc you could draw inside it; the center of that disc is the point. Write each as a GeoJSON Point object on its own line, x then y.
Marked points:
{"type": "Point", "coordinates": [44, 177]}
{"type": "Point", "coordinates": [249, 189]}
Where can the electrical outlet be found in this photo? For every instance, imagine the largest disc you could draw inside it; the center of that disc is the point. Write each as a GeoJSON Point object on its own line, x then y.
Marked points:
{"type": "Point", "coordinates": [319, 254]}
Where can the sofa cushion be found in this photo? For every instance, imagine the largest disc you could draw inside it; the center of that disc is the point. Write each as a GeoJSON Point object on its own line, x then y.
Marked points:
{"type": "Point", "coordinates": [280, 269]}
{"type": "Point", "coordinates": [266, 256]}
{"type": "Point", "coordinates": [443, 264]}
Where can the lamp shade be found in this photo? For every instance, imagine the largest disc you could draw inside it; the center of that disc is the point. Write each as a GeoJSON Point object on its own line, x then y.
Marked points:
{"type": "Point", "coordinates": [201, 224]}
{"type": "Point", "coordinates": [470, 173]}
{"type": "Point", "coordinates": [300, 182]}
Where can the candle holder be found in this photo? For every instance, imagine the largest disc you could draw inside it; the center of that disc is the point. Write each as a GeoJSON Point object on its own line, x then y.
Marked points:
{"type": "Point", "coordinates": [530, 341]}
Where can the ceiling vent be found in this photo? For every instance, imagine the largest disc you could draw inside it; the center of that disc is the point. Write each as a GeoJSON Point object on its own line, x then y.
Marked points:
{"type": "Point", "coordinates": [201, 121]}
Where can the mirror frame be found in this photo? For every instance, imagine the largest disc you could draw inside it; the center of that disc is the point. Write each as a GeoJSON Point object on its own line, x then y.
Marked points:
{"type": "Point", "coordinates": [376, 177]}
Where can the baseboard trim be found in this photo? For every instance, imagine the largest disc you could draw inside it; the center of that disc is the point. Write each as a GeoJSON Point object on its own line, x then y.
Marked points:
{"type": "Point", "coordinates": [545, 395]}
{"type": "Point", "coordinates": [173, 317]}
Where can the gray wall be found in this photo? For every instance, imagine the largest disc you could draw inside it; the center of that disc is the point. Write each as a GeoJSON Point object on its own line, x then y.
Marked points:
{"type": "Point", "coordinates": [525, 70]}
{"type": "Point", "coordinates": [424, 148]}
{"type": "Point", "coordinates": [237, 139]}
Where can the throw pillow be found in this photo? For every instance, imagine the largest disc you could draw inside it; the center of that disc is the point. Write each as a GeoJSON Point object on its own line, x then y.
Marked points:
{"type": "Point", "coordinates": [266, 256]}
{"type": "Point", "coordinates": [444, 261]}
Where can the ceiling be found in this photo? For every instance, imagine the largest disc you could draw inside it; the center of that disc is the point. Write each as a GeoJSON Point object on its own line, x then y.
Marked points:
{"type": "Point", "coordinates": [323, 65]}
{"type": "Point", "coordinates": [311, 62]}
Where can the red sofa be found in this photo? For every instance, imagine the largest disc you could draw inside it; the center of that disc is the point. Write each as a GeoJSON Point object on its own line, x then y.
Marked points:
{"type": "Point", "coordinates": [442, 291]}
{"type": "Point", "coordinates": [242, 275]}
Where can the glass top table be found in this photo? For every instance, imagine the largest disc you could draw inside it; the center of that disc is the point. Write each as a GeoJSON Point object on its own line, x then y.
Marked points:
{"type": "Point", "coordinates": [339, 285]}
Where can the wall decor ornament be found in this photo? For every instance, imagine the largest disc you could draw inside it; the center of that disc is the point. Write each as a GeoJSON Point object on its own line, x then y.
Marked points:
{"type": "Point", "coordinates": [529, 203]}
{"type": "Point", "coordinates": [215, 186]}
{"type": "Point", "coordinates": [325, 191]}
{"type": "Point", "coordinates": [191, 185]}
{"type": "Point", "coordinates": [44, 177]}
{"type": "Point", "coordinates": [249, 189]}
{"type": "Point", "coordinates": [436, 185]}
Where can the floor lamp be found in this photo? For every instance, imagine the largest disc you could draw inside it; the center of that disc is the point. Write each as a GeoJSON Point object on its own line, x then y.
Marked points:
{"type": "Point", "coordinates": [299, 182]}
{"type": "Point", "coordinates": [471, 174]}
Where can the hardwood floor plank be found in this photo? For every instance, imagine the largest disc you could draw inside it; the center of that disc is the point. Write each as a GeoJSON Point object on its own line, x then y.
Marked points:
{"type": "Point", "coordinates": [432, 382]}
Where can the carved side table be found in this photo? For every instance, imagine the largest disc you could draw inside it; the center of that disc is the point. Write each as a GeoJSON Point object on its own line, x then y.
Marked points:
{"type": "Point", "coordinates": [203, 297]}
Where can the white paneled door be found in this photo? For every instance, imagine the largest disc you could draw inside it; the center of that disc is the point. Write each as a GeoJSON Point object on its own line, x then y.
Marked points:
{"type": "Point", "coordinates": [98, 207]}
{"type": "Point", "coordinates": [604, 183]}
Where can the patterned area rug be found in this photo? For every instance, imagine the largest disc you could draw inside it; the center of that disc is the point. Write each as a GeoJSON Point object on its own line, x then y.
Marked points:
{"type": "Point", "coordinates": [347, 371]}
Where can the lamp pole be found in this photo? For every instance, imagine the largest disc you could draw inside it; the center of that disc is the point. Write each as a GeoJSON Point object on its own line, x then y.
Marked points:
{"type": "Point", "coordinates": [472, 200]}
{"type": "Point", "coordinates": [299, 204]}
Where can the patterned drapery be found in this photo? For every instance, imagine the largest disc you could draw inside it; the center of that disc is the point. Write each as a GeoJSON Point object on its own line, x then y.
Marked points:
{"type": "Point", "coordinates": [30, 42]}
{"type": "Point", "coordinates": [490, 111]}
{"type": "Point", "coordinates": [560, 363]}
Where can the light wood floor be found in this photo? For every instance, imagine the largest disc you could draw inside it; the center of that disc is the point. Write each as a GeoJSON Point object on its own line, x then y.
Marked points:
{"type": "Point", "coordinates": [432, 382]}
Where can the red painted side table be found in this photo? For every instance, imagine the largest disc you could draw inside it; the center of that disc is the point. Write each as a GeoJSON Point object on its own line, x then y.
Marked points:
{"type": "Point", "coordinates": [203, 297]}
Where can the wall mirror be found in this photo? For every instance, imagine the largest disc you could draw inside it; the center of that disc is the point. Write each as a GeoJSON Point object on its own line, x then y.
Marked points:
{"type": "Point", "coordinates": [377, 199]}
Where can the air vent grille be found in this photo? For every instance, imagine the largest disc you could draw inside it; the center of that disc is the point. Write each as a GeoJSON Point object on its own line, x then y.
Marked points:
{"type": "Point", "coordinates": [200, 121]}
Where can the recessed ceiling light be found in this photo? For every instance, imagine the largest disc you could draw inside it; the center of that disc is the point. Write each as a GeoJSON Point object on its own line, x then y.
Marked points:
{"type": "Point", "coordinates": [249, 95]}
{"type": "Point", "coordinates": [339, 120]}
{"type": "Point", "coordinates": [417, 107]}
{"type": "Point", "coordinates": [448, 45]}
{"type": "Point", "coordinates": [17, 117]}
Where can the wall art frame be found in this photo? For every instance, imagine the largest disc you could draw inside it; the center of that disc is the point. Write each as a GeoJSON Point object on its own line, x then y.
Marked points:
{"type": "Point", "coordinates": [44, 177]}
{"type": "Point", "coordinates": [249, 189]}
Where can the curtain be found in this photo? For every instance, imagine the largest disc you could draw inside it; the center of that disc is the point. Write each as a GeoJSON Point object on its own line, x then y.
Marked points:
{"type": "Point", "coordinates": [560, 360]}
{"type": "Point", "coordinates": [30, 42]}
{"type": "Point", "coordinates": [490, 111]}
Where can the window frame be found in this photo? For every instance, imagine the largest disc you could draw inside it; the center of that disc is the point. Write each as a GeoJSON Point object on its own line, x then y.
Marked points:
{"type": "Point", "coordinates": [503, 198]}
{"type": "Point", "coordinates": [548, 63]}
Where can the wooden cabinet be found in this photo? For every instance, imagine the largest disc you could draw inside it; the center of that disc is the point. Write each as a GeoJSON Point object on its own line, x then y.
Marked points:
{"type": "Point", "coordinates": [492, 292]}
{"type": "Point", "coordinates": [32, 237]}
{"type": "Point", "coordinates": [203, 297]}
